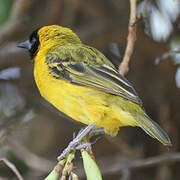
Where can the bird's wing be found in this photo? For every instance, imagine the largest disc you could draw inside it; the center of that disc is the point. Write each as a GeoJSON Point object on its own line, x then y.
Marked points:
{"type": "Point", "coordinates": [86, 66]}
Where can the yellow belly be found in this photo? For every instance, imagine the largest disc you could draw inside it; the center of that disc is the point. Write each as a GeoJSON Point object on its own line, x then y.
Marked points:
{"type": "Point", "coordinates": [83, 104]}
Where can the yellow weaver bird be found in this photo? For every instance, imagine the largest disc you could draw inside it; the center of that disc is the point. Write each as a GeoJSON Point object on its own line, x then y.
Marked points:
{"type": "Point", "coordinates": [82, 83]}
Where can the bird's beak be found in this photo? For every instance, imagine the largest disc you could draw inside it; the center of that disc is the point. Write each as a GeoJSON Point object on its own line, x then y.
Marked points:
{"type": "Point", "coordinates": [25, 45]}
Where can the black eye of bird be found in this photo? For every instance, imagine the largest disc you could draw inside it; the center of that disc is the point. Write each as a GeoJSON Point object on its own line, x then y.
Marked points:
{"type": "Point", "coordinates": [34, 40]}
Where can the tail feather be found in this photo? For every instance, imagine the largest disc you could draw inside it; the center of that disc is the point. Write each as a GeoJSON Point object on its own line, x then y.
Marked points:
{"type": "Point", "coordinates": [153, 129]}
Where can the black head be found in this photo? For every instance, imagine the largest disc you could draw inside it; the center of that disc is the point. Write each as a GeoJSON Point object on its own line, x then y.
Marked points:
{"type": "Point", "coordinates": [32, 44]}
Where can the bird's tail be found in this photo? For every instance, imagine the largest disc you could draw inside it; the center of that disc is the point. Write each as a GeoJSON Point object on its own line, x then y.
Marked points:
{"type": "Point", "coordinates": [153, 129]}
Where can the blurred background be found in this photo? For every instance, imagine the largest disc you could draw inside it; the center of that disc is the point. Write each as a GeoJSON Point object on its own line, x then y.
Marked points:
{"type": "Point", "coordinates": [33, 133]}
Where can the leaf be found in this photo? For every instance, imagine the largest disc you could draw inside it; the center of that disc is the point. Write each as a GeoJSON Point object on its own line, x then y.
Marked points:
{"type": "Point", "coordinates": [91, 169]}
{"type": "Point", "coordinates": [53, 175]}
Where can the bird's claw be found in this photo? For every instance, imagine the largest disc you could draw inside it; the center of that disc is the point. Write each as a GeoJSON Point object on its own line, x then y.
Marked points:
{"type": "Point", "coordinates": [76, 142]}
{"type": "Point", "coordinates": [95, 132]}
{"type": "Point", "coordinates": [86, 146]}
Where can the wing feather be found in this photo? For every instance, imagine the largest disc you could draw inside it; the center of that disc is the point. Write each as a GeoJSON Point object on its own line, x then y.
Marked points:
{"type": "Point", "coordinates": [101, 75]}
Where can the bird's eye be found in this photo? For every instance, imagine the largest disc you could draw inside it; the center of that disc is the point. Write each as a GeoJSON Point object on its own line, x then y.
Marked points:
{"type": "Point", "coordinates": [34, 36]}
{"type": "Point", "coordinates": [34, 40]}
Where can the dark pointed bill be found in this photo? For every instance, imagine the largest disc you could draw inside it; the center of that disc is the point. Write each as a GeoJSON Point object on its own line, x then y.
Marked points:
{"type": "Point", "coordinates": [25, 45]}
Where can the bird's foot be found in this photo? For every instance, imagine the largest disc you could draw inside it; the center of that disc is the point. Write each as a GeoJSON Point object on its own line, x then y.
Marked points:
{"type": "Point", "coordinates": [77, 142]}
{"type": "Point", "coordinates": [85, 145]}
{"type": "Point", "coordinates": [96, 132]}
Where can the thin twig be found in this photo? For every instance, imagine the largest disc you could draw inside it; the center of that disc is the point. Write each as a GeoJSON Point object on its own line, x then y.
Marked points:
{"type": "Point", "coordinates": [124, 66]}
{"type": "Point", "coordinates": [10, 56]}
{"type": "Point", "coordinates": [117, 164]}
{"type": "Point", "coordinates": [12, 167]}
{"type": "Point", "coordinates": [143, 163]}
{"type": "Point", "coordinates": [30, 159]}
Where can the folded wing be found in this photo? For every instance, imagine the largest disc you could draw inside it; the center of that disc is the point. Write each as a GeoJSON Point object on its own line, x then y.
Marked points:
{"type": "Point", "coordinates": [75, 67]}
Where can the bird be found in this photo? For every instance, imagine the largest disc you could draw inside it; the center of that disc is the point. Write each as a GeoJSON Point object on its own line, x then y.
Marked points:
{"type": "Point", "coordinates": [82, 83]}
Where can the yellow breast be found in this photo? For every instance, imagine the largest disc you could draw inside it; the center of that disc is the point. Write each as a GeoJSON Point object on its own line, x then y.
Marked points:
{"type": "Point", "coordinates": [83, 104]}
{"type": "Point", "coordinates": [80, 103]}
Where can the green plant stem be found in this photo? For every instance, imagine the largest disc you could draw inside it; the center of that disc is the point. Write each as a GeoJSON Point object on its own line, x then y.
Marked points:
{"type": "Point", "coordinates": [67, 168]}
{"type": "Point", "coordinates": [54, 174]}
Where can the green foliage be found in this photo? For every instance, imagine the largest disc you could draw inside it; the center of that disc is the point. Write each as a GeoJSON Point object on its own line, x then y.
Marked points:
{"type": "Point", "coordinates": [91, 169]}
{"type": "Point", "coordinates": [53, 175]}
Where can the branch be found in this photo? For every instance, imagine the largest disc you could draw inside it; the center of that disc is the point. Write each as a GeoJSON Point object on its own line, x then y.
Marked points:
{"type": "Point", "coordinates": [16, 22]}
{"type": "Point", "coordinates": [80, 142]}
{"type": "Point", "coordinates": [30, 159]}
{"type": "Point", "coordinates": [10, 56]}
{"type": "Point", "coordinates": [12, 167]}
{"type": "Point", "coordinates": [124, 66]}
{"type": "Point", "coordinates": [118, 164]}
